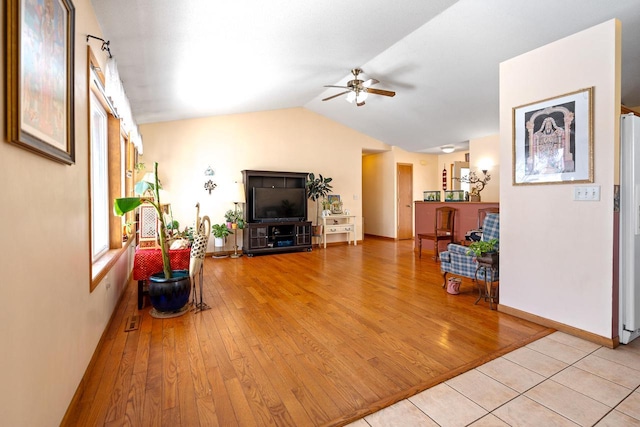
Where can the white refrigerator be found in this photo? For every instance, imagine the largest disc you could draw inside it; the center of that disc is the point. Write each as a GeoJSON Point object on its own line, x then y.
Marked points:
{"type": "Point", "coordinates": [629, 228]}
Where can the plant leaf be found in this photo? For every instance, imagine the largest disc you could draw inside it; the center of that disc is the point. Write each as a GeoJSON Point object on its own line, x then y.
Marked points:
{"type": "Point", "coordinates": [126, 204]}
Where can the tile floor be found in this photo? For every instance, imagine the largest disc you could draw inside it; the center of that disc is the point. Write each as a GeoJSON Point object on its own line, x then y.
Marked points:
{"type": "Point", "coordinates": [559, 380]}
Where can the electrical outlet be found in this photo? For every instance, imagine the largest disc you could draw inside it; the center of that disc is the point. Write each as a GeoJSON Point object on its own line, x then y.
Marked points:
{"type": "Point", "coordinates": [586, 193]}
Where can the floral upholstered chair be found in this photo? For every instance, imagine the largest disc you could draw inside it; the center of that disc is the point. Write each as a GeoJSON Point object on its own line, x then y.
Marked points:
{"type": "Point", "coordinates": [455, 259]}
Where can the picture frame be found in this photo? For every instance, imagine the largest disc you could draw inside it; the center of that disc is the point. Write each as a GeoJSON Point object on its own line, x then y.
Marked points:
{"type": "Point", "coordinates": [333, 198]}
{"type": "Point", "coordinates": [40, 77]}
{"type": "Point", "coordinates": [431, 196]}
{"type": "Point", "coordinates": [553, 140]}
{"type": "Point", "coordinates": [335, 204]}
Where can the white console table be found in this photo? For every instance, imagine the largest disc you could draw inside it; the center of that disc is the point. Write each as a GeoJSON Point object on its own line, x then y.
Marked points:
{"type": "Point", "coordinates": [335, 224]}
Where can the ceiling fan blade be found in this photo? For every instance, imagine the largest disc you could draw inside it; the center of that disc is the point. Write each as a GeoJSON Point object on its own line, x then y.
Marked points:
{"type": "Point", "coordinates": [336, 95]}
{"type": "Point", "coordinates": [340, 87]}
{"type": "Point", "coordinates": [370, 82]}
{"type": "Point", "coordinates": [380, 92]}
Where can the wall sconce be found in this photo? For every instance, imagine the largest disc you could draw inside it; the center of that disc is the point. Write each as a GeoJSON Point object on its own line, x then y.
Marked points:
{"type": "Point", "coordinates": [484, 165]}
{"type": "Point", "coordinates": [209, 184]}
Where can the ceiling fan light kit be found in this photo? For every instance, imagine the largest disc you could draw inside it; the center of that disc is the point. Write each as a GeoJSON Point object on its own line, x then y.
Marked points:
{"type": "Point", "coordinates": [358, 90]}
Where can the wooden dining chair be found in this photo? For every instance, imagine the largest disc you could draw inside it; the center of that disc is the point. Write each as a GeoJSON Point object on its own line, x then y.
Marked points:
{"type": "Point", "coordinates": [443, 230]}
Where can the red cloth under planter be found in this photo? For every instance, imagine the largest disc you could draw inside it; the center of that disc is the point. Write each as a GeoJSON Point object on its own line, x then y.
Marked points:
{"type": "Point", "coordinates": [149, 261]}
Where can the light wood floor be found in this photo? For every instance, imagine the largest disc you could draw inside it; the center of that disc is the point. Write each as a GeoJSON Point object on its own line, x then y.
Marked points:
{"type": "Point", "coordinates": [299, 339]}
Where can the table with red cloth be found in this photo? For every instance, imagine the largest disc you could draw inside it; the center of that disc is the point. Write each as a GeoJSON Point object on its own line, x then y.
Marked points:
{"type": "Point", "coordinates": [149, 261]}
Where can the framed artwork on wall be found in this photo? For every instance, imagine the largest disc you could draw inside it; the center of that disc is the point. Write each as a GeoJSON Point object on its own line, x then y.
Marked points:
{"type": "Point", "coordinates": [553, 140]}
{"type": "Point", "coordinates": [40, 77]}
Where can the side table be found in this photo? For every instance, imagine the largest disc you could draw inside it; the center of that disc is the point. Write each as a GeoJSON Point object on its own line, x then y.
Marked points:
{"type": "Point", "coordinates": [149, 261]}
{"type": "Point", "coordinates": [489, 267]}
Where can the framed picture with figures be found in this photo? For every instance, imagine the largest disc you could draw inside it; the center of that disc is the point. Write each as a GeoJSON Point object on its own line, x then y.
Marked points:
{"type": "Point", "coordinates": [553, 140]}
{"type": "Point", "coordinates": [40, 78]}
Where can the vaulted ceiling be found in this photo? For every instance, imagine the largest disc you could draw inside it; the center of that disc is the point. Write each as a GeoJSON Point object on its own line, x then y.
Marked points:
{"type": "Point", "coordinates": [196, 58]}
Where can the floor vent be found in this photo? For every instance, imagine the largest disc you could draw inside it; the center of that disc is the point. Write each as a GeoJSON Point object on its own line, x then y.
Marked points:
{"type": "Point", "coordinates": [133, 322]}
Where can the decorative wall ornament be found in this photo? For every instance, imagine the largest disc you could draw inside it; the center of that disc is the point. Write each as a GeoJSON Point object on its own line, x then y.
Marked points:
{"type": "Point", "coordinates": [209, 184]}
{"type": "Point", "coordinates": [476, 184]}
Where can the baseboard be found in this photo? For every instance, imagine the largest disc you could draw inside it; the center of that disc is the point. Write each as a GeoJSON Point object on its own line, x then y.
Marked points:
{"type": "Point", "coordinates": [589, 336]}
{"type": "Point", "coordinates": [375, 236]}
{"type": "Point", "coordinates": [75, 400]}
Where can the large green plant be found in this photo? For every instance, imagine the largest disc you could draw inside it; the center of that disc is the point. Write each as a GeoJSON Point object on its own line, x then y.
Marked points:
{"type": "Point", "coordinates": [318, 188]}
{"type": "Point", "coordinates": [126, 204]}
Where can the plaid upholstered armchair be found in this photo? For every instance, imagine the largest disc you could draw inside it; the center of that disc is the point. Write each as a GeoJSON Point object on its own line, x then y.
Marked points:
{"type": "Point", "coordinates": [455, 259]}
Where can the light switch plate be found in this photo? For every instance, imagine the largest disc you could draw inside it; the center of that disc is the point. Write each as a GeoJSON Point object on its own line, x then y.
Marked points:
{"type": "Point", "coordinates": [589, 193]}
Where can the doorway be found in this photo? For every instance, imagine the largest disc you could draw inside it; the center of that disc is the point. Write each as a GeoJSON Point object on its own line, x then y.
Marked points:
{"type": "Point", "coordinates": [405, 201]}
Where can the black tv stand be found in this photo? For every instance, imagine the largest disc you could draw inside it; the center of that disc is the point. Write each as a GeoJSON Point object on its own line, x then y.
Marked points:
{"type": "Point", "coordinates": [272, 237]}
{"type": "Point", "coordinates": [275, 236]}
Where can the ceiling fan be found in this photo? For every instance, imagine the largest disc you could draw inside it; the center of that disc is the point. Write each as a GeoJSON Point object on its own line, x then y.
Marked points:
{"type": "Point", "coordinates": [357, 90]}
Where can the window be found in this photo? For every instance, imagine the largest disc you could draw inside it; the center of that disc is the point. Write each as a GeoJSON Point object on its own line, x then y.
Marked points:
{"type": "Point", "coordinates": [110, 153]}
{"type": "Point", "coordinates": [99, 180]}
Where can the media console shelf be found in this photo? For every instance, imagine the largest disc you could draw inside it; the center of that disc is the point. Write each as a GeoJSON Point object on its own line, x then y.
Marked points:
{"type": "Point", "coordinates": [276, 212]}
{"type": "Point", "coordinates": [277, 237]}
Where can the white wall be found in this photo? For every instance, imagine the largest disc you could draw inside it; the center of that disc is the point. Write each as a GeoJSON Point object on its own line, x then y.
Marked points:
{"type": "Point", "coordinates": [51, 323]}
{"type": "Point", "coordinates": [557, 253]}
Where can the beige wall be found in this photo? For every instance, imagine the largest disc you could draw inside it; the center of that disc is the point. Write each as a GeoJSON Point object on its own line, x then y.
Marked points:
{"type": "Point", "coordinates": [557, 253]}
{"type": "Point", "coordinates": [483, 152]}
{"type": "Point", "coordinates": [296, 140]}
{"type": "Point", "coordinates": [51, 323]}
{"type": "Point", "coordinates": [380, 186]}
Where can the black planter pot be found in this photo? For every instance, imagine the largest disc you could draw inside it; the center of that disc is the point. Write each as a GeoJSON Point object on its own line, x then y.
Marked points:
{"type": "Point", "coordinates": [489, 258]}
{"type": "Point", "coordinates": [169, 295]}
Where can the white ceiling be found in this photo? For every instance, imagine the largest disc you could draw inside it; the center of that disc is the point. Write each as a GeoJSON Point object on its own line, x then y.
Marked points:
{"type": "Point", "coordinates": [196, 58]}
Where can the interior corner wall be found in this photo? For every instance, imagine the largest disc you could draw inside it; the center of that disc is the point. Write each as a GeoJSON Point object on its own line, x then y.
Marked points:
{"type": "Point", "coordinates": [376, 170]}
{"type": "Point", "coordinates": [483, 152]}
{"type": "Point", "coordinates": [51, 322]}
{"type": "Point", "coordinates": [556, 253]}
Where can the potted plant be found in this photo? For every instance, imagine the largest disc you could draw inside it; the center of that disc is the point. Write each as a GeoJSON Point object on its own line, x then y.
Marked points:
{"type": "Point", "coordinates": [229, 217]}
{"type": "Point", "coordinates": [220, 232]}
{"type": "Point", "coordinates": [317, 188]}
{"type": "Point", "coordinates": [168, 290]}
{"type": "Point", "coordinates": [234, 219]}
{"type": "Point", "coordinates": [484, 251]}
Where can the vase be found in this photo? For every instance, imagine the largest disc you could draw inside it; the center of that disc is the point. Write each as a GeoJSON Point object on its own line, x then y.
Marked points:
{"type": "Point", "coordinates": [169, 295]}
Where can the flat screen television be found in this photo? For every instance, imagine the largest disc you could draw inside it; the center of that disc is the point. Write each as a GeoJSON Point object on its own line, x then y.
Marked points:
{"type": "Point", "coordinates": [279, 204]}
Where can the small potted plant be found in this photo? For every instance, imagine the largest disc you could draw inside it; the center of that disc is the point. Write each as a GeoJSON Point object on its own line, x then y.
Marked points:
{"type": "Point", "coordinates": [220, 232]}
{"type": "Point", "coordinates": [484, 251]}
{"type": "Point", "coordinates": [234, 219]}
